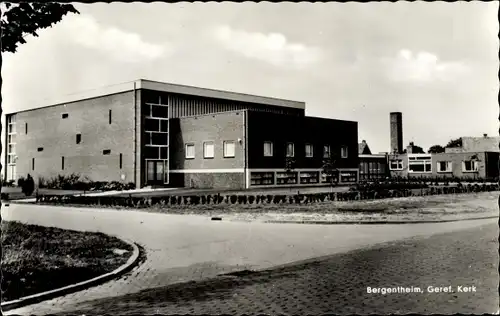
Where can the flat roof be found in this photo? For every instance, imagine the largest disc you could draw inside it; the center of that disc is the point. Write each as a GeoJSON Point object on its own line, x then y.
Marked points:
{"type": "Point", "coordinates": [171, 88]}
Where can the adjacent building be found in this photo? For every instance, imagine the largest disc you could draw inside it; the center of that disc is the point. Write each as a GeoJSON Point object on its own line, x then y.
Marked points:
{"type": "Point", "coordinates": [160, 134]}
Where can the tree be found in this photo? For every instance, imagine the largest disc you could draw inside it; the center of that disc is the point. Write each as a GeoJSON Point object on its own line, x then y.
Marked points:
{"type": "Point", "coordinates": [436, 149]}
{"type": "Point", "coordinates": [418, 150]}
{"type": "Point", "coordinates": [454, 143]}
{"type": "Point", "coordinates": [329, 168]}
{"type": "Point", "coordinates": [20, 20]}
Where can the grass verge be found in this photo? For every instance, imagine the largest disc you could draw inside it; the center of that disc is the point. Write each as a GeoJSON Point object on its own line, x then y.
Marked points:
{"type": "Point", "coordinates": [36, 259]}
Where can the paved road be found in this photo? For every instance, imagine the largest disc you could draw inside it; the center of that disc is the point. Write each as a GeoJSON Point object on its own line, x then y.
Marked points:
{"type": "Point", "coordinates": [464, 264]}
{"type": "Point", "coordinates": [184, 248]}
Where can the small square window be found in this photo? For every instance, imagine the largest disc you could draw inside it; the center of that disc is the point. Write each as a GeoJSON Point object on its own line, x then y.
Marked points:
{"type": "Point", "coordinates": [208, 150]}
{"type": "Point", "coordinates": [78, 138]}
{"type": "Point", "coordinates": [40, 149]}
{"type": "Point", "coordinates": [229, 149]}
{"type": "Point", "coordinates": [65, 115]}
{"type": "Point", "coordinates": [106, 151]}
{"type": "Point", "coordinates": [190, 154]}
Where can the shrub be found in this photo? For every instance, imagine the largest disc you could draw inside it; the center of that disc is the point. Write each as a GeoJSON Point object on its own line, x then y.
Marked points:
{"type": "Point", "coordinates": [203, 200]}
{"type": "Point", "coordinates": [269, 198]}
{"type": "Point", "coordinates": [5, 196]}
{"type": "Point", "coordinates": [233, 199]}
{"type": "Point", "coordinates": [28, 186]}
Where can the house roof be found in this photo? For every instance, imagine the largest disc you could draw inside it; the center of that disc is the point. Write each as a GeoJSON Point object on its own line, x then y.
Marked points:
{"type": "Point", "coordinates": [363, 148]}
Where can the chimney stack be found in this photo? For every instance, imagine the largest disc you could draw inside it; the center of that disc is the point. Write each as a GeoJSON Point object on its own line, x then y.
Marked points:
{"type": "Point", "coordinates": [396, 123]}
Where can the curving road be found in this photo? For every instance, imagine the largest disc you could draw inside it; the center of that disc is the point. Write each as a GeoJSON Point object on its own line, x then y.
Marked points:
{"type": "Point", "coordinates": [192, 248]}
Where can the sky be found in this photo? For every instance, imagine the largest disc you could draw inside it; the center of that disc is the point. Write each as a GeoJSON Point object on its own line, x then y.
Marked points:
{"type": "Point", "coordinates": [437, 62]}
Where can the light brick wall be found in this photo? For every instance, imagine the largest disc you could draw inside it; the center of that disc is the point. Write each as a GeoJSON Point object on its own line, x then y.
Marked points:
{"type": "Point", "coordinates": [57, 136]}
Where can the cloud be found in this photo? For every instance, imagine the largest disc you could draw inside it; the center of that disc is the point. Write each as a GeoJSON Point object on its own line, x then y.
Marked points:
{"type": "Point", "coordinates": [272, 48]}
{"type": "Point", "coordinates": [422, 67]}
{"type": "Point", "coordinates": [119, 44]}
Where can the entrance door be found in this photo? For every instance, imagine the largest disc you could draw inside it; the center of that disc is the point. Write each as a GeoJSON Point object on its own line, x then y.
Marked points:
{"type": "Point", "coordinates": [155, 172]}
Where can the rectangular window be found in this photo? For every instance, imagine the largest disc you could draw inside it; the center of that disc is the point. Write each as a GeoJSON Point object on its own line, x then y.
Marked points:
{"type": "Point", "coordinates": [32, 163]}
{"type": "Point", "coordinates": [262, 178]}
{"type": "Point", "coordinates": [152, 125]}
{"type": "Point", "coordinates": [159, 139]}
{"type": "Point", "coordinates": [396, 164]}
{"type": "Point", "coordinates": [159, 111]}
{"type": "Point", "coordinates": [208, 150]}
{"type": "Point", "coordinates": [290, 150]}
{"type": "Point", "coordinates": [469, 166]}
{"type": "Point", "coordinates": [326, 151]}
{"type": "Point", "coordinates": [286, 177]}
{"type": "Point", "coordinates": [343, 152]}
{"type": "Point", "coordinates": [190, 151]}
{"type": "Point", "coordinates": [26, 127]}
{"type": "Point", "coordinates": [309, 177]}
{"type": "Point", "coordinates": [109, 116]}
{"type": "Point", "coordinates": [78, 138]}
{"type": "Point", "coordinates": [444, 166]}
{"type": "Point", "coordinates": [106, 151]}
{"type": "Point", "coordinates": [164, 126]}
{"type": "Point", "coordinates": [39, 149]}
{"type": "Point", "coordinates": [62, 162]}
{"type": "Point", "coordinates": [64, 115]}
{"type": "Point", "coordinates": [309, 150]}
{"type": "Point", "coordinates": [268, 149]}
{"type": "Point", "coordinates": [420, 164]}
{"type": "Point", "coordinates": [229, 149]}
{"type": "Point", "coordinates": [121, 160]}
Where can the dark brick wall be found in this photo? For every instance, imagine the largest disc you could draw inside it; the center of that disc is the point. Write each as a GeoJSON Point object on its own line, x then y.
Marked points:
{"type": "Point", "coordinates": [299, 130]}
{"type": "Point", "coordinates": [57, 137]}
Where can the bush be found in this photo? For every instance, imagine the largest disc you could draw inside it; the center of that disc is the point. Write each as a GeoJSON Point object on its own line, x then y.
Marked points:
{"type": "Point", "coordinates": [233, 199]}
{"type": "Point", "coordinates": [4, 196]}
{"type": "Point", "coordinates": [251, 199]}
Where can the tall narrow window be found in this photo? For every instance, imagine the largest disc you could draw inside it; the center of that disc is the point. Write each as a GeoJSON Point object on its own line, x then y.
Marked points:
{"type": "Point", "coordinates": [109, 116]}
{"type": "Point", "coordinates": [343, 152]}
{"type": "Point", "coordinates": [121, 161]}
{"type": "Point", "coordinates": [268, 149]}
{"type": "Point", "coordinates": [326, 151]}
{"type": "Point", "coordinates": [78, 138]}
{"type": "Point", "coordinates": [208, 150]}
{"type": "Point", "coordinates": [309, 150]}
{"type": "Point", "coordinates": [229, 149]}
{"type": "Point", "coordinates": [290, 150]}
{"type": "Point", "coordinates": [32, 163]}
{"type": "Point", "coordinates": [26, 127]}
{"type": "Point", "coordinates": [190, 151]}
{"type": "Point", "coordinates": [62, 162]}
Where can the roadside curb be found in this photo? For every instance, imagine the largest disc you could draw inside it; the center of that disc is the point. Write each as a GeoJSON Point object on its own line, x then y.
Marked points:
{"type": "Point", "coordinates": [39, 297]}
{"type": "Point", "coordinates": [373, 222]}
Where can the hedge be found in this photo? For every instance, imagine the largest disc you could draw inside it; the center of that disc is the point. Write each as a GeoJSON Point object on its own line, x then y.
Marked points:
{"type": "Point", "coordinates": [173, 200]}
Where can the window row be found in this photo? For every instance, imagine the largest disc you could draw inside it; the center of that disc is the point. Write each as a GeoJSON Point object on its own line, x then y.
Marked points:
{"type": "Point", "coordinates": [309, 177]}
{"type": "Point", "coordinates": [228, 148]}
{"type": "Point", "coordinates": [425, 166]}
{"type": "Point", "coordinates": [309, 150]}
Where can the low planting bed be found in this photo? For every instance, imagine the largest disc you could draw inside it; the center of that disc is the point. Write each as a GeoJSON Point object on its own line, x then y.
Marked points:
{"type": "Point", "coordinates": [218, 200]}
{"type": "Point", "coordinates": [36, 259]}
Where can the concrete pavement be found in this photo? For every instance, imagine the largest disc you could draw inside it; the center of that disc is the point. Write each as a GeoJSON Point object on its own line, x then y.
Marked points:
{"type": "Point", "coordinates": [189, 247]}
